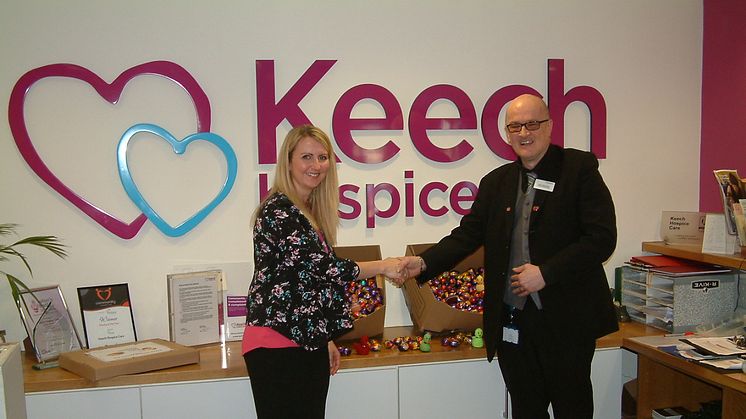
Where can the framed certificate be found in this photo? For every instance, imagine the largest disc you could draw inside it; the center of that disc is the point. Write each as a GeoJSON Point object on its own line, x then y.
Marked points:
{"type": "Point", "coordinates": [48, 323]}
{"type": "Point", "coordinates": [107, 315]}
{"type": "Point", "coordinates": [195, 307]}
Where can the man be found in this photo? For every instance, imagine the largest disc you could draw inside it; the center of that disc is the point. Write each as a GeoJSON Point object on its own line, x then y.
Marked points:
{"type": "Point", "coordinates": [547, 224]}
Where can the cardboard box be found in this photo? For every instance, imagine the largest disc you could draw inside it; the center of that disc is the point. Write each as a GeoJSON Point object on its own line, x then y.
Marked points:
{"type": "Point", "coordinates": [128, 358]}
{"type": "Point", "coordinates": [436, 316]}
{"type": "Point", "coordinates": [372, 324]}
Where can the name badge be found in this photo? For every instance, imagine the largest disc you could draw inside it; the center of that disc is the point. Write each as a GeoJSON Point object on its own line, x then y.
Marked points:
{"type": "Point", "coordinates": [510, 334]}
{"type": "Point", "coordinates": [544, 185]}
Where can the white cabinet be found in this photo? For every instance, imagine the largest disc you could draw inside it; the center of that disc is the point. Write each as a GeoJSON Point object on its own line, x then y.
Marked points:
{"type": "Point", "coordinates": [475, 388]}
{"type": "Point", "coordinates": [607, 383]}
{"type": "Point", "coordinates": [370, 393]}
{"type": "Point", "coordinates": [228, 398]}
{"type": "Point", "coordinates": [470, 389]}
{"type": "Point", "coordinates": [12, 401]}
{"type": "Point", "coordinates": [109, 403]}
{"type": "Point", "coordinates": [356, 389]}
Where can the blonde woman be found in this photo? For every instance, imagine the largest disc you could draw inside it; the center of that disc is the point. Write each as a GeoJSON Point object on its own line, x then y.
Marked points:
{"type": "Point", "coordinates": [296, 302]}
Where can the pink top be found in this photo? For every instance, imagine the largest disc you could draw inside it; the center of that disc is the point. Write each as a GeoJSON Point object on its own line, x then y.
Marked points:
{"type": "Point", "coordinates": [264, 337]}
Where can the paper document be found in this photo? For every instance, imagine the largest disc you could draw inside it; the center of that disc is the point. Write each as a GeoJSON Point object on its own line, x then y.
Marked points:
{"type": "Point", "coordinates": [724, 363]}
{"type": "Point", "coordinates": [716, 345]}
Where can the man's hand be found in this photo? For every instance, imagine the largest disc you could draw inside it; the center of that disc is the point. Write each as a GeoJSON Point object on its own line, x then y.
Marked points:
{"type": "Point", "coordinates": [527, 279]}
{"type": "Point", "coordinates": [413, 265]}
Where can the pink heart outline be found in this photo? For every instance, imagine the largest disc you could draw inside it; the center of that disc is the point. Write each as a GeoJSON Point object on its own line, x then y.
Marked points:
{"type": "Point", "coordinates": [111, 93]}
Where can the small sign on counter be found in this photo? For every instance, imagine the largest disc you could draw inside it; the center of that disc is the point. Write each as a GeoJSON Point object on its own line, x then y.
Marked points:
{"type": "Point", "coordinates": [682, 227]}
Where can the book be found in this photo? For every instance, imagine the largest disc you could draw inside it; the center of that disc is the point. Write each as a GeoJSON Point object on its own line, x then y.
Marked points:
{"type": "Point", "coordinates": [740, 218]}
{"type": "Point", "coordinates": [673, 266]}
{"type": "Point", "coordinates": [689, 270]}
{"type": "Point", "coordinates": [732, 189]}
{"type": "Point", "coordinates": [657, 261]}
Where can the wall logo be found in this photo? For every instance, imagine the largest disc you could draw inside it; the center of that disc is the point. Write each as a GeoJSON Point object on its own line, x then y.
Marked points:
{"type": "Point", "coordinates": [347, 131]}
{"type": "Point", "coordinates": [111, 93]}
{"type": "Point", "coordinates": [273, 108]}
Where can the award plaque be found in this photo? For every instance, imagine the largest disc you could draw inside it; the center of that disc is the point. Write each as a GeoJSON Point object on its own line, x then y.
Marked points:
{"type": "Point", "coordinates": [195, 307]}
{"type": "Point", "coordinates": [48, 323]}
{"type": "Point", "coordinates": [107, 316]}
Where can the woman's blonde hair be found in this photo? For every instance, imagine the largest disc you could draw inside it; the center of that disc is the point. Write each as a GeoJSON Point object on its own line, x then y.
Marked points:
{"type": "Point", "coordinates": [323, 203]}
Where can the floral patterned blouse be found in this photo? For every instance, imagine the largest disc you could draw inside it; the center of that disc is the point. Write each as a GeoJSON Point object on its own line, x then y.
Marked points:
{"type": "Point", "coordinates": [298, 285]}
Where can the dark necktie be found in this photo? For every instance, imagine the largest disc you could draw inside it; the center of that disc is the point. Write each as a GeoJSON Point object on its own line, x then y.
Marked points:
{"type": "Point", "coordinates": [526, 180]}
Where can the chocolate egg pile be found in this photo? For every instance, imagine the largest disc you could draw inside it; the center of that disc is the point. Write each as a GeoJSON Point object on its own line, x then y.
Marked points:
{"type": "Point", "coordinates": [462, 291]}
{"type": "Point", "coordinates": [403, 343]}
{"type": "Point", "coordinates": [365, 297]}
{"type": "Point", "coordinates": [455, 340]}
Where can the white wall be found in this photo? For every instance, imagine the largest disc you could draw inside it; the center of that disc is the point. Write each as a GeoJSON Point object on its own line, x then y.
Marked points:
{"type": "Point", "coordinates": [644, 57]}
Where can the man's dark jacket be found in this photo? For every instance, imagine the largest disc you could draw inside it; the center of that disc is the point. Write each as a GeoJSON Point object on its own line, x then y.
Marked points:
{"type": "Point", "coordinates": [572, 232]}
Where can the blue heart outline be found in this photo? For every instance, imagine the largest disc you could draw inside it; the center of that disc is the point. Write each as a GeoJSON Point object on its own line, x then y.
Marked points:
{"type": "Point", "coordinates": [179, 147]}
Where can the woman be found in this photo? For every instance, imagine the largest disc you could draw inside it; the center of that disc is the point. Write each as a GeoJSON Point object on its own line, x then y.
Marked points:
{"type": "Point", "coordinates": [296, 302]}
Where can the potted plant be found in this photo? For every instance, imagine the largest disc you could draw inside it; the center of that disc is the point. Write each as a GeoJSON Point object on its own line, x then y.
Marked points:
{"type": "Point", "coordinates": [12, 251]}
{"type": "Point", "coordinates": [9, 251]}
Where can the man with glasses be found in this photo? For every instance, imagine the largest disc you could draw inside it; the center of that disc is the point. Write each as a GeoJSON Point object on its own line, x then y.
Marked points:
{"type": "Point", "coordinates": [547, 224]}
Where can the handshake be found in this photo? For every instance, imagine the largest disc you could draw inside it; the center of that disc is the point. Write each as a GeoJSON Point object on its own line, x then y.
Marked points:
{"type": "Point", "coordinates": [399, 269]}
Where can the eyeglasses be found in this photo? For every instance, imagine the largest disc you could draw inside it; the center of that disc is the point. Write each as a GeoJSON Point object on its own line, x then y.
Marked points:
{"type": "Point", "coordinates": [530, 125]}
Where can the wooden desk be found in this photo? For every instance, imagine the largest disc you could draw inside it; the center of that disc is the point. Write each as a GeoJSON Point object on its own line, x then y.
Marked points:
{"type": "Point", "coordinates": [665, 380]}
{"type": "Point", "coordinates": [218, 362]}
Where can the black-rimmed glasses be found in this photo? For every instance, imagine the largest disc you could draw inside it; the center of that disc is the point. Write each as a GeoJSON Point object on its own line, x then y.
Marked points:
{"type": "Point", "coordinates": [530, 125]}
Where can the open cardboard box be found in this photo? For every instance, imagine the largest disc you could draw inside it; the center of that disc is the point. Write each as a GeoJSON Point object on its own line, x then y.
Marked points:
{"type": "Point", "coordinates": [436, 316]}
{"type": "Point", "coordinates": [127, 358]}
{"type": "Point", "coordinates": [372, 324]}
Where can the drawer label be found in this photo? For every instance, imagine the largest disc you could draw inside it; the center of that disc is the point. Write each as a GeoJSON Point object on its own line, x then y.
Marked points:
{"type": "Point", "coordinates": [705, 285]}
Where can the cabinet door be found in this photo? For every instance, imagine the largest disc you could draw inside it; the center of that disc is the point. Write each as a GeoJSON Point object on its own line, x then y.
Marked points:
{"type": "Point", "coordinates": [363, 393]}
{"type": "Point", "coordinates": [606, 376]}
{"type": "Point", "coordinates": [115, 403]}
{"type": "Point", "coordinates": [469, 389]}
{"type": "Point", "coordinates": [228, 398]}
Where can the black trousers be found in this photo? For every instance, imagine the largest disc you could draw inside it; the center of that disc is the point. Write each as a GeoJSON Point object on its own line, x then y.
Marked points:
{"type": "Point", "coordinates": [546, 368]}
{"type": "Point", "coordinates": [288, 382]}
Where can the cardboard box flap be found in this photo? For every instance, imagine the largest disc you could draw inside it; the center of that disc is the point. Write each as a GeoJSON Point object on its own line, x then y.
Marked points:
{"type": "Point", "coordinates": [359, 253]}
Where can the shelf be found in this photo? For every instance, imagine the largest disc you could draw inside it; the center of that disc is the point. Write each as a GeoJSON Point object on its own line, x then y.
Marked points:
{"type": "Point", "coordinates": [668, 302]}
{"type": "Point", "coordinates": [640, 295]}
{"type": "Point", "coordinates": [694, 253]}
{"type": "Point", "coordinates": [662, 288]}
{"type": "Point", "coordinates": [641, 283]}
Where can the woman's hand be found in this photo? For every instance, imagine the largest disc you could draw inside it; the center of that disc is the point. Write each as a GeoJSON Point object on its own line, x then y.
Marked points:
{"type": "Point", "coordinates": [334, 358]}
{"type": "Point", "coordinates": [395, 270]}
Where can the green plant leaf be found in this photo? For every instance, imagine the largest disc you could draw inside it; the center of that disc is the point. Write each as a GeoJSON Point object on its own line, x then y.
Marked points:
{"type": "Point", "coordinates": [7, 252]}
{"type": "Point", "coordinates": [50, 243]}
{"type": "Point", "coordinates": [7, 228]}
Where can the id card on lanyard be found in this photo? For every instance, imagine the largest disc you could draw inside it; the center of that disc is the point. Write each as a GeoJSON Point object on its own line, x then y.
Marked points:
{"type": "Point", "coordinates": [510, 330]}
